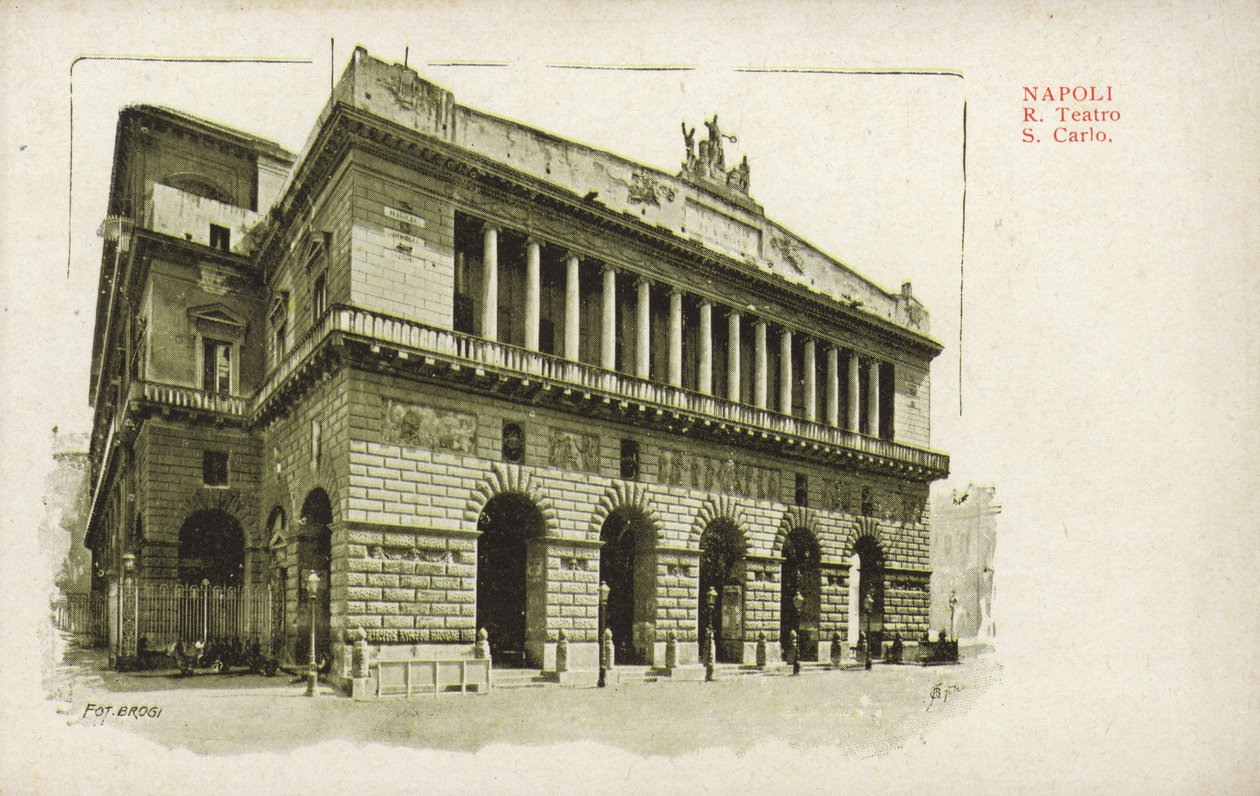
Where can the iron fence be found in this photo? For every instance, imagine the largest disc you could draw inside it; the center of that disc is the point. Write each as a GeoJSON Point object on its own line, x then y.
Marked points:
{"type": "Point", "coordinates": [82, 615]}
{"type": "Point", "coordinates": [170, 613]}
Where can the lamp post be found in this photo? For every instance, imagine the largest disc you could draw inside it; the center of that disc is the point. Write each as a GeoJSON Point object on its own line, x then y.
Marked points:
{"type": "Point", "coordinates": [603, 611]}
{"type": "Point", "coordinates": [797, 602]}
{"type": "Point", "coordinates": [312, 670]}
{"type": "Point", "coordinates": [710, 599]}
{"type": "Point", "coordinates": [953, 601]}
{"type": "Point", "coordinates": [129, 616]}
{"type": "Point", "coordinates": [869, 604]}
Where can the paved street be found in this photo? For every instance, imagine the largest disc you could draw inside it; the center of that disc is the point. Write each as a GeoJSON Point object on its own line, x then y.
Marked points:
{"type": "Point", "coordinates": [861, 712]}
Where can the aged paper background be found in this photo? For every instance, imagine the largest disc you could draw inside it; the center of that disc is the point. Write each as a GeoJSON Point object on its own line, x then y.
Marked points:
{"type": "Point", "coordinates": [1110, 351]}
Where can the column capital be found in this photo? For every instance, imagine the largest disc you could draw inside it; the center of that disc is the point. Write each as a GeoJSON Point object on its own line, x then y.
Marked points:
{"type": "Point", "coordinates": [705, 302]}
{"type": "Point", "coordinates": [570, 254]}
{"type": "Point", "coordinates": [640, 280]}
{"type": "Point", "coordinates": [533, 240]}
{"type": "Point", "coordinates": [490, 226]}
{"type": "Point", "coordinates": [609, 268]}
{"type": "Point", "coordinates": [675, 290]}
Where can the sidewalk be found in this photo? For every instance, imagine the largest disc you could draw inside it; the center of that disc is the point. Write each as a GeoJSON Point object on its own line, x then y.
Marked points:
{"type": "Point", "coordinates": [860, 711]}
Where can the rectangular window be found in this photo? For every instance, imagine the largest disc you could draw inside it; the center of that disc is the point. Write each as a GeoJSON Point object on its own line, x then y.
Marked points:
{"type": "Point", "coordinates": [629, 459]}
{"type": "Point", "coordinates": [802, 489]}
{"type": "Point", "coordinates": [319, 298]}
{"type": "Point", "coordinates": [220, 238]}
{"type": "Point", "coordinates": [216, 366]}
{"type": "Point", "coordinates": [282, 339]}
{"type": "Point", "coordinates": [214, 468]}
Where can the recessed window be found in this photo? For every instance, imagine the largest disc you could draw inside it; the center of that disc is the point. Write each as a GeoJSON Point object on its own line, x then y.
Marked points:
{"type": "Point", "coordinates": [629, 459]}
{"type": "Point", "coordinates": [802, 489]}
{"type": "Point", "coordinates": [319, 297]}
{"type": "Point", "coordinates": [220, 238]}
{"type": "Point", "coordinates": [513, 443]}
{"type": "Point", "coordinates": [317, 444]}
{"type": "Point", "coordinates": [216, 366]}
{"type": "Point", "coordinates": [214, 468]}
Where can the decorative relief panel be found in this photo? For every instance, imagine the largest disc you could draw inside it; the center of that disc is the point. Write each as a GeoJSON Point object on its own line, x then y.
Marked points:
{"type": "Point", "coordinates": [573, 451]}
{"type": "Point", "coordinates": [429, 555]}
{"type": "Point", "coordinates": [425, 427]}
{"type": "Point", "coordinates": [647, 189]}
{"type": "Point", "coordinates": [712, 474]}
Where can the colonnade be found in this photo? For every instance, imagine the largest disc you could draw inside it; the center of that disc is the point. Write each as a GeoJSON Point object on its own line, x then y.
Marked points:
{"type": "Point", "coordinates": [838, 389]}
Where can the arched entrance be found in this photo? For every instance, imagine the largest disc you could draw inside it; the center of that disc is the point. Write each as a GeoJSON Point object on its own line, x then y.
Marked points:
{"type": "Point", "coordinates": [866, 580]}
{"type": "Point", "coordinates": [722, 549]}
{"type": "Point", "coordinates": [623, 565]}
{"type": "Point", "coordinates": [801, 575]}
{"type": "Point", "coordinates": [314, 555]}
{"type": "Point", "coordinates": [211, 548]}
{"type": "Point", "coordinates": [506, 523]}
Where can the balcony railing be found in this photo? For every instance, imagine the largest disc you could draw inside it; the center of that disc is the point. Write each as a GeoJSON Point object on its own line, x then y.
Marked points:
{"type": "Point", "coordinates": [190, 398]}
{"type": "Point", "coordinates": [514, 360]}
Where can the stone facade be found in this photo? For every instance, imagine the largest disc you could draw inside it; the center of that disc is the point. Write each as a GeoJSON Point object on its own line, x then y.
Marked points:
{"type": "Point", "coordinates": [440, 375]}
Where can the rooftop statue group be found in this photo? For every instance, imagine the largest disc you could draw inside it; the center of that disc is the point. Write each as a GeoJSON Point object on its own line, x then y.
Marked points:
{"type": "Point", "coordinates": [709, 162]}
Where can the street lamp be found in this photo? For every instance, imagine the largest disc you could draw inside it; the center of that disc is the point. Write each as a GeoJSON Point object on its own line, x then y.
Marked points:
{"type": "Point", "coordinates": [312, 670]}
{"type": "Point", "coordinates": [797, 602]}
{"type": "Point", "coordinates": [710, 598]}
{"type": "Point", "coordinates": [953, 601]}
{"type": "Point", "coordinates": [603, 611]}
{"type": "Point", "coordinates": [869, 604]}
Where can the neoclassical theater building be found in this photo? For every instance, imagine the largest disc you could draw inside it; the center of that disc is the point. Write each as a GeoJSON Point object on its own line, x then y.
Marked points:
{"type": "Point", "coordinates": [467, 371]}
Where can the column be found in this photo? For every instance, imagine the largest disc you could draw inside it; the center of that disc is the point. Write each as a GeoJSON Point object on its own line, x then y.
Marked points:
{"type": "Point", "coordinates": [833, 386]}
{"type": "Point", "coordinates": [490, 284]}
{"type": "Point", "coordinates": [855, 393]}
{"type": "Point", "coordinates": [706, 348]}
{"type": "Point", "coordinates": [785, 371]}
{"type": "Point", "coordinates": [759, 364]}
{"type": "Point", "coordinates": [533, 292]}
{"type": "Point", "coordinates": [608, 336]}
{"type": "Point", "coordinates": [872, 405]}
{"type": "Point", "coordinates": [732, 355]}
{"type": "Point", "coordinates": [811, 386]}
{"type": "Point", "coordinates": [572, 309]}
{"type": "Point", "coordinates": [643, 347]}
{"type": "Point", "coordinates": [675, 337]}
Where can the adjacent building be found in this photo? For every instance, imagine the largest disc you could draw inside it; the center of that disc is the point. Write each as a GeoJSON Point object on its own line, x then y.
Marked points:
{"type": "Point", "coordinates": [467, 371]}
{"type": "Point", "coordinates": [964, 538]}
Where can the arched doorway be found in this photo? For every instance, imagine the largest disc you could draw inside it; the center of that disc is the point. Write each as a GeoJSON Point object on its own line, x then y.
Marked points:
{"type": "Point", "coordinates": [503, 598]}
{"type": "Point", "coordinates": [866, 580]}
{"type": "Point", "coordinates": [627, 540]}
{"type": "Point", "coordinates": [314, 555]}
{"type": "Point", "coordinates": [211, 548]}
{"type": "Point", "coordinates": [800, 575]}
{"type": "Point", "coordinates": [722, 549]}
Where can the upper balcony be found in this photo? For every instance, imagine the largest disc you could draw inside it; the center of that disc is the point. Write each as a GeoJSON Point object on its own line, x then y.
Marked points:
{"type": "Point", "coordinates": [465, 357]}
{"type": "Point", "coordinates": [188, 216]}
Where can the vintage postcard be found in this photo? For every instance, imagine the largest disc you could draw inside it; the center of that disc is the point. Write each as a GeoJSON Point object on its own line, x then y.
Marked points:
{"type": "Point", "coordinates": [550, 398]}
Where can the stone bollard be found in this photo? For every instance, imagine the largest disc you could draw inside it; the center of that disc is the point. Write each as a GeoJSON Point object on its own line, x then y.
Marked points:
{"type": "Point", "coordinates": [761, 650]}
{"type": "Point", "coordinates": [481, 648]}
{"type": "Point", "coordinates": [562, 652]}
{"type": "Point", "coordinates": [606, 649]}
{"type": "Point", "coordinates": [359, 654]}
{"type": "Point", "coordinates": [836, 650]}
{"type": "Point", "coordinates": [671, 650]}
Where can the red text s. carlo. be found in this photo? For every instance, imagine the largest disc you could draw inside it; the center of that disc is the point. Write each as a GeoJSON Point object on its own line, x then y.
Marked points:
{"type": "Point", "coordinates": [1072, 105]}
